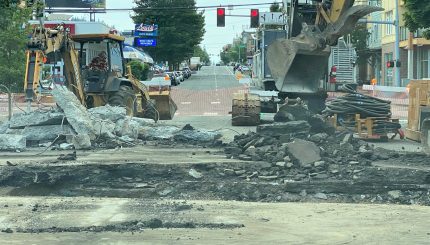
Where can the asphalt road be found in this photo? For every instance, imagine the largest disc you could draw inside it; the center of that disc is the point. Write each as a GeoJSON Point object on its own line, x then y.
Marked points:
{"type": "Point", "coordinates": [211, 78]}
{"type": "Point", "coordinates": [209, 92]}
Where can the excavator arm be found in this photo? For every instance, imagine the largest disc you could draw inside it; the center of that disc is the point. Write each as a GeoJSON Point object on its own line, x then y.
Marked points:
{"type": "Point", "coordinates": [44, 44]}
{"type": "Point", "coordinates": [298, 63]}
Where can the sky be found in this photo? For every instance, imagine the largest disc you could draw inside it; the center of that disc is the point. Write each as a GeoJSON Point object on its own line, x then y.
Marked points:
{"type": "Point", "coordinates": [215, 37]}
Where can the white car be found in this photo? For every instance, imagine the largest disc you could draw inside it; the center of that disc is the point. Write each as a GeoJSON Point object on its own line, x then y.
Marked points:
{"type": "Point", "coordinates": [244, 68]}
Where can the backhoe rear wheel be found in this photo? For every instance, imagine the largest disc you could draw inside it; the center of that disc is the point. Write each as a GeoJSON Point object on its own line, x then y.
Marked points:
{"type": "Point", "coordinates": [124, 97]}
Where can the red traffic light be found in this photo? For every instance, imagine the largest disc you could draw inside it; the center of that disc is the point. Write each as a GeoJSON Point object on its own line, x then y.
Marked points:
{"type": "Point", "coordinates": [220, 22]}
{"type": "Point", "coordinates": [254, 12]}
{"type": "Point", "coordinates": [221, 11]}
{"type": "Point", "coordinates": [390, 64]}
{"type": "Point", "coordinates": [255, 18]}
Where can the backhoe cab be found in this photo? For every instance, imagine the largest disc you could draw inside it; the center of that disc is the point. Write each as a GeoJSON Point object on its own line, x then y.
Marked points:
{"type": "Point", "coordinates": [108, 81]}
{"type": "Point", "coordinates": [104, 73]}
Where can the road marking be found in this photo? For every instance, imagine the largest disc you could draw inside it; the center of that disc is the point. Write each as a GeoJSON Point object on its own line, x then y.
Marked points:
{"type": "Point", "coordinates": [186, 103]}
{"type": "Point", "coordinates": [215, 102]}
{"type": "Point", "coordinates": [210, 114]}
{"type": "Point", "coordinates": [229, 70]}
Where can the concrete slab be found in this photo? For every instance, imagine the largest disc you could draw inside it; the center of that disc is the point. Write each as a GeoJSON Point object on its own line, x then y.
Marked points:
{"type": "Point", "coordinates": [46, 133]}
{"type": "Point", "coordinates": [288, 128]}
{"type": "Point", "coordinates": [245, 222]}
{"type": "Point", "coordinates": [11, 142]}
{"type": "Point", "coordinates": [36, 118]}
{"type": "Point", "coordinates": [77, 115]}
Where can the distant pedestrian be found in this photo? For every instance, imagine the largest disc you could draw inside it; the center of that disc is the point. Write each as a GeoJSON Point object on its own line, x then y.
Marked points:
{"type": "Point", "coordinates": [373, 82]}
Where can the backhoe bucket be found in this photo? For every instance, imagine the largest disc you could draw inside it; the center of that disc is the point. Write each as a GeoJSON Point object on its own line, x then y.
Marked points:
{"type": "Point", "coordinates": [164, 105]}
{"type": "Point", "coordinates": [297, 66]}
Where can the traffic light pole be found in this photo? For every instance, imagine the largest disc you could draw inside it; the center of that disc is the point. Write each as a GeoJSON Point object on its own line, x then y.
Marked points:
{"type": "Point", "coordinates": [397, 45]}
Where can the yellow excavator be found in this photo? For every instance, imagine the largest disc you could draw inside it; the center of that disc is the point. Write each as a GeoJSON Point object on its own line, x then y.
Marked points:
{"type": "Point", "coordinates": [94, 70]}
{"type": "Point", "coordinates": [299, 62]}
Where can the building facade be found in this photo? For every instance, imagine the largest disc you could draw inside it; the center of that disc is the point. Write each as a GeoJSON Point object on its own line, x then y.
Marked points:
{"type": "Point", "coordinates": [414, 49]}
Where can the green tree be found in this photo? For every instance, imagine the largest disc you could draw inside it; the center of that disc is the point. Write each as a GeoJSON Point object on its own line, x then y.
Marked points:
{"type": "Point", "coordinates": [13, 39]}
{"type": "Point", "coordinates": [275, 7]}
{"type": "Point", "coordinates": [417, 15]}
{"type": "Point", "coordinates": [139, 70]}
{"type": "Point", "coordinates": [359, 40]}
{"type": "Point", "coordinates": [180, 30]}
{"type": "Point", "coordinates": [235, 53]}
{"type": "Point", "coordinates": [202, 53]}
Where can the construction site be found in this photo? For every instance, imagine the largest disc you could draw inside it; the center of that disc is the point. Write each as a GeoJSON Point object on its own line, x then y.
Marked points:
{"type": "Point", "coordinates": [107, 159]}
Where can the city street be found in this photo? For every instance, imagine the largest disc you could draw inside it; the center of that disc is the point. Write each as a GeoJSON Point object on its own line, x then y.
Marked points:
{"type": "Point", "coordinates": [209, 92]}
{"type": "Point", "coordinates": [170, 122]}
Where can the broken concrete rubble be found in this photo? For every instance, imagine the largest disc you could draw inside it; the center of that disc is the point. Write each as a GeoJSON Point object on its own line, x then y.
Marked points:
{"type": "Point", "coordinates": [127, 127]}
{"type": "Point", "coordinates": [36, 118]}
{"type": "Point", "coordinates": [304, 152]}
{"type": "Point", "coordinates": [110, 113]}
{"type": "Point", "coordinates": [288, 128]}
{"type": "Point", "coordinates": [189, 136]}
{"type": "Point", "coordinates": [77, 115]}
{"type": "Point", "coordinates": [4, 127]}
{"type": "Point", "coordinates": [46, 133]}
{"type": "Point", "coordinates": [10, 142]}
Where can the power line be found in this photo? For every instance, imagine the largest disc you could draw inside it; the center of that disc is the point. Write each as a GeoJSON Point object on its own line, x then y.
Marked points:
{"type": "Point", "coordinates": [91, 10]}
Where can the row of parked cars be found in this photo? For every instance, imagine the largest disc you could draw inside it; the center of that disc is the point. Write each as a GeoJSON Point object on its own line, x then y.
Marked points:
{"type": "Point", "coordinates": [177, 77]}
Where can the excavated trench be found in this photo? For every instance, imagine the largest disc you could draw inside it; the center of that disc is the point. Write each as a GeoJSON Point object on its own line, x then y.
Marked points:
{"type": "Point", "coordinates": [241, 181]}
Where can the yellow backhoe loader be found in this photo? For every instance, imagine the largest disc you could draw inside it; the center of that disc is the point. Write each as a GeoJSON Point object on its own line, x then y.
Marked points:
{"type": "Point", "coordinates": [94, 70]}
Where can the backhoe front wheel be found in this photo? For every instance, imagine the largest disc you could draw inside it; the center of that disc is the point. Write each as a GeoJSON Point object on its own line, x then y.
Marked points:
{"type": "Point", "coordinates": [124, 97]}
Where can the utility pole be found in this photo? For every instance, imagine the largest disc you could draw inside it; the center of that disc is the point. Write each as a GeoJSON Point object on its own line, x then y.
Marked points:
{"type": "Point", "coordinates": [397, 45]}
{"type": "Point", "coordinates": [410, 56]}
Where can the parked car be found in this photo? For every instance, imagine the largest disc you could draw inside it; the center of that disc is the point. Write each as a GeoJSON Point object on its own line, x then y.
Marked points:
{"type": "Point", "coordinates": [180, 75]}
{"type": "Point", "coordinates": [187, 72]}
{"type": "Point", "coordinates": [174, 78]}
{"type": "Point", "coordinates": [244, 69]}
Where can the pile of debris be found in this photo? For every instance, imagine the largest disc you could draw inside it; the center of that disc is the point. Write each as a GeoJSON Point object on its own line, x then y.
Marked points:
{"type": "Point", "coordinates": [72, 126]}
{"type": "Point", "coordinates": [309, 147]}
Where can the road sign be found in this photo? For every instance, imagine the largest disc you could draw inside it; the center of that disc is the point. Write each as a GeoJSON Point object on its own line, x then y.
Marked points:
{"type": "Point", "coordinates": [76, 3]}
{"type": "Point", "coordinates": [143, 30]}
{"type": "Point", "coordinates": [143, 42]}
{"type": "Point", "coordinates": [273, 18]}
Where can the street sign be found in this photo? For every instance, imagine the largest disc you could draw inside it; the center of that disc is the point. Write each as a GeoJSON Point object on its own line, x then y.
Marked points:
{"type": "Point", "coordinates": [143, 42]}
{"type": "Point", "coordinates": [273, 18]}
{"type": "Point", "coordinates": [143, 30]}
{"type": "Point", "coordinates": [76, 4]}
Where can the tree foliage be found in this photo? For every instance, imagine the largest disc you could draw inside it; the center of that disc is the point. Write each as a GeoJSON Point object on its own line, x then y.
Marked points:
{"type": "Point", "coordinates": [139, 70]}
{"type": "Point", "coordinates": [13, 39]}
{"type": "Point", "coordinates": [180, 30]}
{"type": "Point", "coordinates": [359, 40]}
{"type": "Point", "coordinates": [275, 7]}
{"type": "Point", "coordinates": [417, 15]}
{"type": "Point", "coordinates": [202, 53]}
{"type": "Point", "coordinates": [234, 53]}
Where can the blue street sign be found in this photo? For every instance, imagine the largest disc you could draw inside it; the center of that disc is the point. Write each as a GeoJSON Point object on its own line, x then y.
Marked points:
{"type": "Point", "coordinates": [143, 42]}
{"type": "Point", "coordinates": [142, 30]}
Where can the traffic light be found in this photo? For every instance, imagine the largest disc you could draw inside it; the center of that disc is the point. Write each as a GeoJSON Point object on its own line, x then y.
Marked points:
{"type": "Point", "coordinates": [394, 63]}
{"type": "Point", "coordinates": [220, 17]}
{"type": "Point", "coordinates": [255, 18]}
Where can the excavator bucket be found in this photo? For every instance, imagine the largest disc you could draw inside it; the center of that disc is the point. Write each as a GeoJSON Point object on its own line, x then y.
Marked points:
{"type": "Point", "coordinates": [296, 65]}
{"type": "Point", "coordinates": [164, 105]}
{"type": "Point", "coordinates": [299, 63]}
